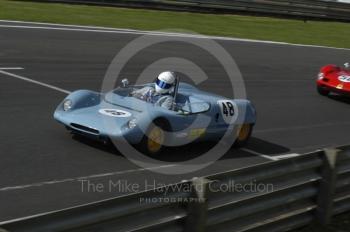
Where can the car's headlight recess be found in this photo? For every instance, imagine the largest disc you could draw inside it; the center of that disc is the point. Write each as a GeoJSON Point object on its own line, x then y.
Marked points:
{"type": "Point", "coordinates": [67, 105]}
{"type": "Point", "coordinates": [132, 123]}
{"type": "Point", "coordinates": [320, 75]}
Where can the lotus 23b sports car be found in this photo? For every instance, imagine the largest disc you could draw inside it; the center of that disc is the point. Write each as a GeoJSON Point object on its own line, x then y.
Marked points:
{"type": "Point", "coordinates": [334, 79]}
{"type": "Point", "coordinates": [117, 115]}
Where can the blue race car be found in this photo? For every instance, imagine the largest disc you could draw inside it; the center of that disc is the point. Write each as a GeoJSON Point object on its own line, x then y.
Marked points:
{"type": "Point", "coordinates": [118, 115]}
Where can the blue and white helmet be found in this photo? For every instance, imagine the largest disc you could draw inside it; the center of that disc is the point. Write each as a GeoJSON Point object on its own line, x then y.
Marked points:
{"type": "Point", "coordinates": [164, 82]}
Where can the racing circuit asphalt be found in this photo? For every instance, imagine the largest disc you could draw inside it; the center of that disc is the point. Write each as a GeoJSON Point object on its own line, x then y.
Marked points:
{"type": "Point", "coordinates": [40, 162]}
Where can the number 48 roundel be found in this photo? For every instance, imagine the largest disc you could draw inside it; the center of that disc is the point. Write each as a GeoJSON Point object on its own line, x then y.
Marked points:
{"type": "Point", "coordinates": [228, 110]}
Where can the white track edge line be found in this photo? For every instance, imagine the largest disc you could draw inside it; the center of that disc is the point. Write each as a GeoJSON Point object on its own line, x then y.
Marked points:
{"type": "Point", "coordinates": [34, 82]}
{"type": "Point", "coordinates": [80, 178]}
{"type": "Point", "coordinates": [11, 68]}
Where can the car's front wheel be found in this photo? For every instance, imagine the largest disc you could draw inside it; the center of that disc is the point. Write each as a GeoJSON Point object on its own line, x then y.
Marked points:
{"type": "Point", "coordinates": [244, 133]}
{"type": "Point", "coordinates": [153, 141]}
{"type": "Point", "coordinates": [322, 91]}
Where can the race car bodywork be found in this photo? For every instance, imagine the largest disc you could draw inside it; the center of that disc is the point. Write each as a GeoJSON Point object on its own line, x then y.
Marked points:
{"type": "Point", "coordinates": [334, 79]}
{"type": "Point", "coordinates": [116, 115]}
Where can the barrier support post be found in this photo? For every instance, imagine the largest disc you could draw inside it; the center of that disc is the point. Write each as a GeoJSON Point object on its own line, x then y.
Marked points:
{"type": "Point", "coordinates": [327, 186]}
{"type": "Point", "coordinates": [198, 206]}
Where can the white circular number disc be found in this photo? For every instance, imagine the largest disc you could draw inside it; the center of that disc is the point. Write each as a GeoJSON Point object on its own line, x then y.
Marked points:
{"type": "Point", "coordinates": [115, 113]}
{"type": "Point", "coordinates": [344, 78]}
{"type": "Point", "coordinates": [228, 110]}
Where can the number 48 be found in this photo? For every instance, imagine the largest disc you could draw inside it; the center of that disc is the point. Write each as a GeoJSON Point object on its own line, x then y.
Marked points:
{"type": "Point", "coordinates": [228, 109]}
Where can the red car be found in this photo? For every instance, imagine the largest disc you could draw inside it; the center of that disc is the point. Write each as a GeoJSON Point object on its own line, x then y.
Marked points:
{"type": "Point", "coordinates": [334, 79]}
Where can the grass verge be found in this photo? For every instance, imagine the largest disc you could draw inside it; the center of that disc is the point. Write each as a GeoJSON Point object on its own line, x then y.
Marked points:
{"type": "Point", "coordinates": [333, 34]}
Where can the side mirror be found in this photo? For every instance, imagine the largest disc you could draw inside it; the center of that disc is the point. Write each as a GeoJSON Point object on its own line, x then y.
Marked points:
{"type": "Point", "coordinates": [125, 83]}
{"type": "Point", "coordinates": [347, 65]}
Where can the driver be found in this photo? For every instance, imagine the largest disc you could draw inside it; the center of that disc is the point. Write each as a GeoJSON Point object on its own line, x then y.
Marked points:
{"type": "Point", "coordinates": [160, 92]}
{"type": "Point", "coordinates": [347, 66]}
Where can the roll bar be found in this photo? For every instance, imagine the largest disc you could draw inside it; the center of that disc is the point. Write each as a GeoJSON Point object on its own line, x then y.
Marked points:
{"type": "Point", "coordinates": [177, 82]}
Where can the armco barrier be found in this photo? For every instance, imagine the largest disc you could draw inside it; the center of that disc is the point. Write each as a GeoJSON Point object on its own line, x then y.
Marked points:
{"type": "Point", "coordinates": [292, 193]}
{"type": "Point", "coordinates": [320, 9]}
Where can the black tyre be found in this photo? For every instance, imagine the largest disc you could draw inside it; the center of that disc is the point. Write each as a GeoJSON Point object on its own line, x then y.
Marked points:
{"type": "Point", "coordinates": [243, 135]}
{"type": "Point", "coordinates": [153, 141]}
{"type": "Point", "coordinates": [322, 91]}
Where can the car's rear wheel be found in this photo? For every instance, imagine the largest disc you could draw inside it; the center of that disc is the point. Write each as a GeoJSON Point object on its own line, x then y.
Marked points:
{"type": "Point", "coordinates": [244, 133]}
{"type": "Point", "coordinates": [322, 91]}
{"type": "Point", "coordinates": [153, 142]}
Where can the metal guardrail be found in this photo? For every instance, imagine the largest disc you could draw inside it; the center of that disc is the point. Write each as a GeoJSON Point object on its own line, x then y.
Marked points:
{"type": "Point", "coordinates": [310, 187]}
{"type": "Point", "coordinates": [320, 9]}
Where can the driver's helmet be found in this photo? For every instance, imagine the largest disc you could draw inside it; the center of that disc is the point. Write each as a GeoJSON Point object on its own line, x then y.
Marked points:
{"type": "Point", "coordinates": [164, 82]}
{"type": "Point", "coordinates": [347, 65]}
